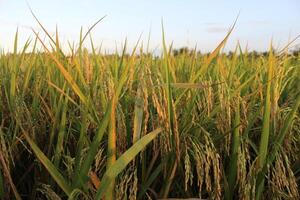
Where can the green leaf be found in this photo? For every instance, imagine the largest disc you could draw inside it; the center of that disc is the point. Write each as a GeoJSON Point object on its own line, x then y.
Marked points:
{"type": "Point", "coordinates": [123, 161]}
{"type": "Point", "coordinates": [48, 165]}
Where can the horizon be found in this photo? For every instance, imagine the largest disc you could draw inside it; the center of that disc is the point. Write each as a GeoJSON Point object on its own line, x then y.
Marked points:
{"type": "Point", "coordinates": [258, 24]}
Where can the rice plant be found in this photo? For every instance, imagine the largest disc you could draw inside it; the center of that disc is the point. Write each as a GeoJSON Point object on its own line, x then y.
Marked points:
{"type": "Point", "coordinates": [88, 125]}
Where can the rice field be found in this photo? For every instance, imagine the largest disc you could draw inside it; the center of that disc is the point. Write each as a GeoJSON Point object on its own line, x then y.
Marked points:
{"type": "Point", "coordinates": [88, 125]}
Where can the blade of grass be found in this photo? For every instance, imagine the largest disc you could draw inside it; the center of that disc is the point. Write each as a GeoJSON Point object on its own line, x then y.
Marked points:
{"type": "Point", "coordinates": [53, 171]}
{"type": "Point", "coordinates": [208, 61]}
{"type": "Point", "coordinates": [112, 147]}
{"type": "Point", "coordinates": [277, 145]}
{"type": "Point", "coordinates": [65, 73]}
{"type": "Point", "coordinates": [123, 161]}
{"type": "Point", "coordinates": [88, 32]}
{"type": "Point", "coordinates": [13, 78]}
{"type": "Point", "coordinates": [174, 136]}
{"type": "Point", "coordinates": [138, 116]}
{"type": "Point", "coordinates": [58, 49]}
{"type": "Point", "coordinates": [7, 174]}
{"type": "Point", "coordinates": [233, 166]}
{"type": "Point", "coordinates": [82, 176]}
{"type": "Point", "coordinates": [150, 180]}
{"type": "Point", "coordinates": [264, 140]}
{"type": "Point", "coordinates": [61, 134]}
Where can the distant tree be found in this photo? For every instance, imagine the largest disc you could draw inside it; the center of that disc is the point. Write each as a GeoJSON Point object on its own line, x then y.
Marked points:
{"type": "Point", "coordinates": [230, 54]}
{"type": "Point", "coordinates": [180, 51]}
{"type": "Point", "coordinates": [254, 54]}
{"type": "Point", "coordinates": [265, 53]}
{"type": "Point", "coordinates": [296, 51]}
{"type": "Point", "coordinates": [175, 52]}
{"type": "Point", "coordinates": [184, 50]}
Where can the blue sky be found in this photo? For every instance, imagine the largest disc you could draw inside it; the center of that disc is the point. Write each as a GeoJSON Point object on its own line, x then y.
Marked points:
{"type": "Point", "coordinates": [187, 23]}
